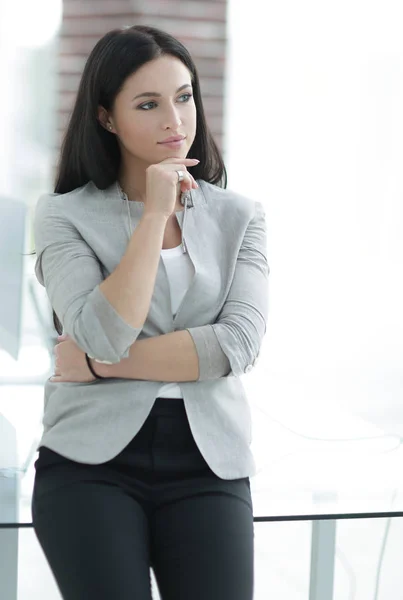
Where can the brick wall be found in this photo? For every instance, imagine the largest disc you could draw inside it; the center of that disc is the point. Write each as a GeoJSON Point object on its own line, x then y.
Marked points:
{"type": "Point", "coordinates": [199, 24]}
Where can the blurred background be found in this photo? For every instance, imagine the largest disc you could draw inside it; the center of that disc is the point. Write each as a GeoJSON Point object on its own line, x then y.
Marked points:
{"type": "Point", "coordinates": [304, 100]}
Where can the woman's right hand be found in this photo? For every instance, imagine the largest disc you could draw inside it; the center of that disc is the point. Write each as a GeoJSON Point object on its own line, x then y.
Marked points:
{"type": "Point", "coordinates": [162, 185]}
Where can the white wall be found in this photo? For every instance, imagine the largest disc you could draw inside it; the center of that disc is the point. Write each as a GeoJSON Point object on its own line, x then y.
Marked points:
{"type": "Point", "coordinates": [314, 130]}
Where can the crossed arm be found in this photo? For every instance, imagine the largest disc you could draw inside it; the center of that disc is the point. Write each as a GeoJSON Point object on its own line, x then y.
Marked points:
{"type": "Point", "coordinates": [171, 357]}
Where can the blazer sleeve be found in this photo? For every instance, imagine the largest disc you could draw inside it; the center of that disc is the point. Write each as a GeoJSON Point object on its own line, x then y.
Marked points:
{"type": "Point", "coordinates": [71, 273]}
{"type": "Point", "coordinates": [231, 345]}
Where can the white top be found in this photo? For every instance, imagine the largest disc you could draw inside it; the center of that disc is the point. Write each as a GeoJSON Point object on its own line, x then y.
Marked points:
{"type": "Point", "coordinates": [180, 273]}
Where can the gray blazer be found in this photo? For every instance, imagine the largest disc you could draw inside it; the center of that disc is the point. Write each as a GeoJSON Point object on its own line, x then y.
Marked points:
{"type": "Point", "coordinates": [80, 238]}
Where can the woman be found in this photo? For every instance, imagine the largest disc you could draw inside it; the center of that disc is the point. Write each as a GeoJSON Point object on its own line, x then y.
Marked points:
{"type": "Point", "coordinates": [158, 276]}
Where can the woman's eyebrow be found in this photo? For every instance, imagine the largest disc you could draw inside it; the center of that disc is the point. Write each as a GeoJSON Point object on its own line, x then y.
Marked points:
{"type": "Point", "coordinates": [159, 95]}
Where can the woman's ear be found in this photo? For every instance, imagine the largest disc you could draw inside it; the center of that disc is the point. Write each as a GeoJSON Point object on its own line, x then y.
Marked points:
{"type": "Point", "coordinates": [103, 119]}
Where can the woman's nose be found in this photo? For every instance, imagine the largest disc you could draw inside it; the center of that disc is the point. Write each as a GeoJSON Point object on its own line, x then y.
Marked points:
{"type": "Point", "coordinates": [173, 120]}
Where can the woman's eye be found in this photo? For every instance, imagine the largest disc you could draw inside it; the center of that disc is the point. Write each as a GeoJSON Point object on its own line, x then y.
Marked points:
{"type": "Point", "coordinates": [148, 103]}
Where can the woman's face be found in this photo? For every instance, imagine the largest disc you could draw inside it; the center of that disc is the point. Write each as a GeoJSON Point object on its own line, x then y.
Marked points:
{"type": "Point", "coordinates": [142, 123]}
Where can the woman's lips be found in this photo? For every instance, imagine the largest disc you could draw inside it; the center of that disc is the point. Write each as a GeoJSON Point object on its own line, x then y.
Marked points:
{"type": "Point", "coordinates": [173, 145]}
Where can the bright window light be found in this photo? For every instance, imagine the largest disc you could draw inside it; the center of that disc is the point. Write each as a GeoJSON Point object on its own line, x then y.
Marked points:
{"type": "Point", "coordinates": [32, 361]}
{"type": "Point", "coordinates": [29, 24]}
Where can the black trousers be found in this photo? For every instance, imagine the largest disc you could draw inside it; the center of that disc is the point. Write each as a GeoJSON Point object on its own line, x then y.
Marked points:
{"type": "Point", "coordinates": [157, 505]}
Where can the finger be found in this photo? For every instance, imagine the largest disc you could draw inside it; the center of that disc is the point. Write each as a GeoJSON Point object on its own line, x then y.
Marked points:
{"type": "Point", "coordinates": [193, 183]}
{"type": "Point", "coordinates": [190, 181]}
{"type": "Point", "coordinates": [187, 161]}
{"type": "Point", "coordinates": [187, 183]}
{"type": "Point", "coordinates": [183, 185]}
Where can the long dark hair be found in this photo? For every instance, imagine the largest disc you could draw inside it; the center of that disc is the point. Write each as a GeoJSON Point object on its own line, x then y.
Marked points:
{"type": "Point", "coordinates": [89, 152]}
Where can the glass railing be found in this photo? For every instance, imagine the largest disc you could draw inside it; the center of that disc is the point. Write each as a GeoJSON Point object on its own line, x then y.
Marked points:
{"type": "Point", "coordinates": [307, 497]}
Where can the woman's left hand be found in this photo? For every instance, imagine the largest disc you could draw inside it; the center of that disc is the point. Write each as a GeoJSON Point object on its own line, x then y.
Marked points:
{"type": "Point", "coordinates": [70, 362]}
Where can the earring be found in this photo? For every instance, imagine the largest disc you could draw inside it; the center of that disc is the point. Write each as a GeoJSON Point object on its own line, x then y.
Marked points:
{"type": "Point", "coordinates": [109, 126]}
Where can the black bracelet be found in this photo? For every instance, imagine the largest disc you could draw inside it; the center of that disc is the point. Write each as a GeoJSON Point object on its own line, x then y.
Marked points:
{"type": "Point", "coordinates": [91, 368]}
